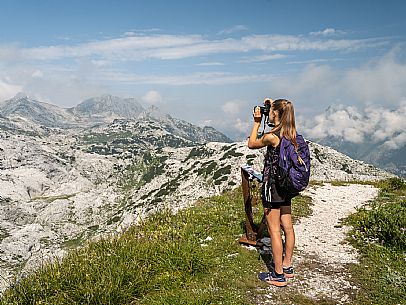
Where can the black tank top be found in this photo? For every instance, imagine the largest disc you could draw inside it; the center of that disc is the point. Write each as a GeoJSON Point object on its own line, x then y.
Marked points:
{"type": "Point", "coordinates": [270, 173]}
{"type": "Point", "coordinates": [271, 161]}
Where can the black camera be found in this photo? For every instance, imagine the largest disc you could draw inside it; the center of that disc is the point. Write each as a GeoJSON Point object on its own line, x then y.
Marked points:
{"type": "Point", "coordinates": [264, 109]}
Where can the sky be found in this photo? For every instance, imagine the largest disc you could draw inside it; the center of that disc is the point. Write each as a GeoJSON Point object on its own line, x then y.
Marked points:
{"type": "Point", "coordinates": [210, 62]}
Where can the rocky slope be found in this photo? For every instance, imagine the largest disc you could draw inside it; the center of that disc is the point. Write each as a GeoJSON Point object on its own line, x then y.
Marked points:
{"type": "Point", "coordinates": [373, 152]}
{"type": "Point", "coordinates": [61, 187]}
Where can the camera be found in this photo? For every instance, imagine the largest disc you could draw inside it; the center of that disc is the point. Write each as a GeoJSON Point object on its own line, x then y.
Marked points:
{"type": "Point", "coordinates": [264, 109]}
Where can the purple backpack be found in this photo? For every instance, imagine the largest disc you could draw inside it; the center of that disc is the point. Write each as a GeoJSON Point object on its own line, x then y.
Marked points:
{"type": "Point", "coordinates": [294, 166]}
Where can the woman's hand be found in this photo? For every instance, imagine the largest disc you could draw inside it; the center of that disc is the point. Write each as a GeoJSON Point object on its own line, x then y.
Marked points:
{"type": "Point", "coordinates": [257, 115]}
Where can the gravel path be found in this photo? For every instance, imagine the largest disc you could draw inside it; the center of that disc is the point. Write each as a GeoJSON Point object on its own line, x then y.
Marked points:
{"type": "Point", "coordinates": [322, 256]}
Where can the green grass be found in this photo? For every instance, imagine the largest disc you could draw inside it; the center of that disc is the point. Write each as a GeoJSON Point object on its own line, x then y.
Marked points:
{"type": "Point", "coordinates": [139, 173]}
{"type": "Point", "coordinates": [379, 233]}
{"type": "Point", "coordinates": [97, 138]}
{"type": "Point", "coordinates": [301, 207]}
{"type": "Point", "coordinates": [165, 260]}
{"type": "Point", "coordinates": [316, 183]}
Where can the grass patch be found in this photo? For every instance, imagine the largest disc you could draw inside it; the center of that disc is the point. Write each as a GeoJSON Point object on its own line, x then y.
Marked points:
{"type": "Point", "coordinates": [207, 168]}
{"type": "Point", "coordinates": [339, 183]}
{"type": "Point", "coordinates": [3, 234]}
{"type": "Point", "coordinates": [224, 171]}
{"type": "Point", "coordinates": [316, 183]}
{"type": "Point", "coordinates": [142, 172]}
{"type": "Point", "coordinates": [301, 207]}
{"type": "Point", "coordinates": [159, 262]}
{"type": "Point", "coordinates": [199, 152]}
{"type": "Point", "coordinates": [231, 153]}
{"type": "Point", "coordinates": [379, 234]}
{"type": "Point", "coordinates": [97, 138]}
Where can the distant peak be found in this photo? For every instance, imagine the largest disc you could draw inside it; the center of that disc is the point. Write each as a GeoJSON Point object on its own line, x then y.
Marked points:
{"type": "Point", "coordinates": [153, 108]}
{"type": "Point", "coordinates": [21, 95]}
{"type": "Point", "coordinates": [107, 96]}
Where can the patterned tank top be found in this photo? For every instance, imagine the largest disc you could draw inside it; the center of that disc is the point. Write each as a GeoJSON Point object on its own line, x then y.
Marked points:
{"type": "Point", "coordinates": [271, 162]}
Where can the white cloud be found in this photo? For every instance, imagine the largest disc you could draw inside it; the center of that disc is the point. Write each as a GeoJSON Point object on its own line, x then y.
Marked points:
{"type": "Point", "coordinates": [327, 32]}
{"type": "Point", "coordinates": [234, 29]}
{"type": "Point", "coordinates": [8, 90]}
{"type": "Point", "coordinates": [242, 126]}
{"type": "Point", "coordinates": [202, 78]}
{"type": "Point", "coordinates": [152, 97]}
{"type": "Point", "coordinates": [372, 124]}
{"type": "Point", "coordinates": [235, 127]}
{"type": "Point", "coordinates": [210, 64]}
{"type": "Point", "coordinates": [232, 107]}
{"type": "Point", "coordinates": [396, 142]}
{"type": "Point", "coordinates": [37, 73]}
{"type": "Point", "coordinates": [380, 81]}
{"type": "Point", "coordinates": [262, 58]}
{"type": "Point", "coordinates": [130, 33]}
{"type": "Point", "coordinates": [313, 61]}
{"type": "Point", "coordinates": [54, 84]}
{"type": "Point", "coordinates": [141, 47]}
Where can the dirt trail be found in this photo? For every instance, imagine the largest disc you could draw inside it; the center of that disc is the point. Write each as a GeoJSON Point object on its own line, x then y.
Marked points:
{"type": "Point", "coordinates": [322, 256]}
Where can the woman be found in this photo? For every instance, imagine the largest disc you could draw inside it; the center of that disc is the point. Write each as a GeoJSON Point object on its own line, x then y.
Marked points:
{"type": "Point", "coordinates": [278, 209]}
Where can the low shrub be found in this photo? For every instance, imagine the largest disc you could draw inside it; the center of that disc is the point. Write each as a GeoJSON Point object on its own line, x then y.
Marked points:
{"type": "Point", "coordinates": [379, 233]}
{"type": "Point", "coordinates": [383, 223]}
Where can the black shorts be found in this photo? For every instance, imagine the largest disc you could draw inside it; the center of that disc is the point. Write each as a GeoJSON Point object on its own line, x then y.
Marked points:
{"type": "Point", "coordinates": [278, 198]}
{"type": "Point", "coordinates": [276, 204]}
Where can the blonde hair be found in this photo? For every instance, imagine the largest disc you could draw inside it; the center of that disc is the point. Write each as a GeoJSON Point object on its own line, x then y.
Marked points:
{"type": "Point", "coordinates": [287, 125]}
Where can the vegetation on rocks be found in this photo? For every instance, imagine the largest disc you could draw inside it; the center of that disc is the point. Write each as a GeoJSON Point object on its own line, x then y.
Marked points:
{"type": "Point", "coordinates": [139, 173]}
{"type": "Point", "coordinates": [379, 232]}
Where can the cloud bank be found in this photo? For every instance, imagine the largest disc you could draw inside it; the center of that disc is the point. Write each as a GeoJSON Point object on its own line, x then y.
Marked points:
{"type": "Point", "coordinates": [381, 81]}
{"type": "Point", "coordinates": [373, 124]}
{"type": "Point", "coordinates": [371, 101]}
{"type": "Point", "coordinates": [143, 47]}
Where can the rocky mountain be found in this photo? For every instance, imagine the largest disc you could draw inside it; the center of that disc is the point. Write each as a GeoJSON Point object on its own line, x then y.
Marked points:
{"type": "Point", "coordinates": [25, 113]}
{"type": "Point", "coordinates": [106, 108]}
{"type": "Point", "coordinates": [373, 152]}
{"type": "Point", "coordinates": [23, 108]}
{"type": "Point", "coordinates": [64, 186]}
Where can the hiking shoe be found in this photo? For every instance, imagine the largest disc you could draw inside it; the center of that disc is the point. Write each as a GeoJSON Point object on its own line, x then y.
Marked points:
{"type": "Point", "coordinates": [278, 280]}
{"type": "Point", "coordinates": [287, 271]}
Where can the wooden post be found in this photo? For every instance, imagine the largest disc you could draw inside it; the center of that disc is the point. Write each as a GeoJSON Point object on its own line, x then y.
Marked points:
{"type": "Point", "coordinates": [253, 232]}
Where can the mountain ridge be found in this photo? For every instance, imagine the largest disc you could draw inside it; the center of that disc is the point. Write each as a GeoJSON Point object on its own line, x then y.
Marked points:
{"type": "Point", "coordinates": [97, 111]}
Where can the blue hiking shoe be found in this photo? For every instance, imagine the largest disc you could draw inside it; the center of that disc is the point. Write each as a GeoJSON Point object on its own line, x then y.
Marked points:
{"type": "Point", "coordinates": [288, 272]}
{"type": "Point", "coordinates": [272, 278]}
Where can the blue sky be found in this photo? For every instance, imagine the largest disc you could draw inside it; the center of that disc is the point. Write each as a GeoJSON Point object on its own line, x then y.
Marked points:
{"type": "Point", "coordinates": [208, 62]}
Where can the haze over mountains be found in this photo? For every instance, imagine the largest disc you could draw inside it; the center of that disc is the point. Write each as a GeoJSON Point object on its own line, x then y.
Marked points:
{"type": "Point", "coordinates": [377, 136]}
{"type": "Point", "coordinates": [68, 175]}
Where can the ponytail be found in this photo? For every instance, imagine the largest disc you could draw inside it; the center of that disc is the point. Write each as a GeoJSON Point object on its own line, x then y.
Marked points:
{"type": "Point", "coordinates": [287, 125]}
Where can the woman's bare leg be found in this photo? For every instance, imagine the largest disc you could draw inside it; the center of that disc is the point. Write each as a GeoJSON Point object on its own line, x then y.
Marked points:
{"type": "Point", "coordinates": [274, 229]}
{"type": "Point", "coordinates": [286, 220]}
